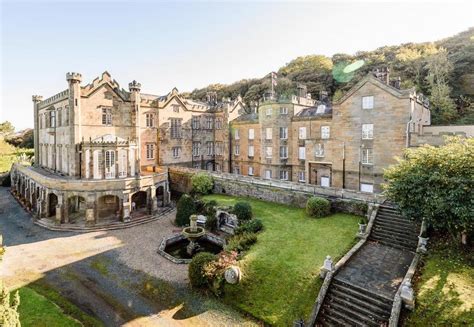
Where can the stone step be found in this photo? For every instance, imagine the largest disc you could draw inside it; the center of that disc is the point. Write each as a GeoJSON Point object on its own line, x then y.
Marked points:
{"type": "Point", "coordinates": [362, 294]}
{"type": "Point", "coordinates": [355, 314]}
{"type": "Point", "coordinates": [334, 312]}
{"type": "Point", "coordinates": [410, 234]}
{"type": "Point", "coordinates": [388, 208]}
{"type": "Point", "coordinates": [111, 226]}
{"type": "Point", "coordinates": [394, 237]}
{"type": "Point", "coordinates": [361, 309]}
{"type": "Point", "coordinates": [398, 219]}
{"type": "Point", "coordinates": [397, 225]}
{"type": "Point", "coordinates": [330, 321]}
{"type": "Point", "coordinates": [397, 245]}
{"type": "Point", "coordinates": [382, 311]}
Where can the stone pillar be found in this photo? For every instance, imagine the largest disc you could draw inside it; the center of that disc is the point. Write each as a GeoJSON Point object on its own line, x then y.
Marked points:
{"type": "Point", "coordinates": [75, 120]}
{"type": "Point", "coordinates": [167, 195]}
{"type": "Point", "coordinates": [154, 204]}
{"type": "Point", "coordinates": [36, 101]}
{"type": "Point", "coordinates": [126, 208]}
{"type": "Point", "coordinates": [58, 214]}
{"type": "Point", "coordinates": [135, 100]}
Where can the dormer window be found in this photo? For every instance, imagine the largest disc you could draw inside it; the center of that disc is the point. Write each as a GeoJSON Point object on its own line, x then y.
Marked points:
{"type": "Point", "coordinates": [321, 108]}
{"type": "Point", "coordinates": [175, 108]}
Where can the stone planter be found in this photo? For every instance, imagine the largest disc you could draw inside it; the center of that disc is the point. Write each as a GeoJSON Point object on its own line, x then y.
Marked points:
{"type": "Point", "coordinates": [362, 228]}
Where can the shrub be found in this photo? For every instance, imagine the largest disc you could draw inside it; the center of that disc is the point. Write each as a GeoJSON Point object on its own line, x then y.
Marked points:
{"type": "Point", "coordinates": [318, 207]}
{"type": "Point", "coordinates": [241, 242]}
{"type": "Point", "coordinates": [184, 209]}
{"type": "Point", "coordinates": [202, 183]}
{"type": "Point", "coordinates": [251, 226]}
{"type": "Point", "coordinates": [243, 211]}
{"type": "Point", "coordinates": [196, 269]}
{"type": "Point", "coordinates": [214, 270]}
{"type": "Point", "coordinates": [211, 223]}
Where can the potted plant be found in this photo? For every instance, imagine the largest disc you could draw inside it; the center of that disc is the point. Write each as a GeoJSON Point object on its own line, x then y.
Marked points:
{"type": "Point", "coordinates": [362, 225]}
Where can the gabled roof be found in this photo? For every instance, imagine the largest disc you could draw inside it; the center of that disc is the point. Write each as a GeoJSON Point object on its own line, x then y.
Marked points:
{"type": "Point", "coordinates": [105, 79]}
{"type": "Point", "coordinates": [370, 78]}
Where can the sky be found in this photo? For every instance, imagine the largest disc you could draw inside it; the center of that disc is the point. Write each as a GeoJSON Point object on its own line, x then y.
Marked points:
{"type": "Point", "coordinates": [191, 44]}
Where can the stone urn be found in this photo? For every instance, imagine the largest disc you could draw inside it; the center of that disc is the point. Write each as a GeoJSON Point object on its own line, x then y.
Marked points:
{"type": "Point", "coordinates": [422, 243]}
{"type": "Point", "coordinates": [362, 227]}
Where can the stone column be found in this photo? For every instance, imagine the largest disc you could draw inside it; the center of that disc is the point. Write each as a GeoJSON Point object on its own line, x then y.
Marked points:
{"type": "Point", "coordinates": [154, 204]}
{"type": "Point", "coordinates": [126, 208]}
{"type": "Point", "coordinates": [36, 100]}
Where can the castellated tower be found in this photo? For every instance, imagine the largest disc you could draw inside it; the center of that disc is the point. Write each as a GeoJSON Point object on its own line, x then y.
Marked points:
{"type": "Point", "coordinates": [36, 100]}
{"type": "Point", "coordinates": [135, 100]}
{"type": "Point", "coordinates": [75, 132]}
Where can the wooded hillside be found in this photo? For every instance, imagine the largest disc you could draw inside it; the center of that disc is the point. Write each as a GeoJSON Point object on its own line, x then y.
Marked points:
{"type": "Point", "coordinates": [443, 70]}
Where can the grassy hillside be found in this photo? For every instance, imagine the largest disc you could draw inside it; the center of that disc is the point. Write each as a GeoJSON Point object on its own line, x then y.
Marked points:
{"type": "Point", "coordinates": [9, 154]}
{"type": "Point", "coordinates": [410, 61]}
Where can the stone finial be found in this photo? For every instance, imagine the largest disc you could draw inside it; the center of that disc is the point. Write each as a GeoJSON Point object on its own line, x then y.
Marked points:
{"type": "Point", "coordinates": [328, 266]}
{"type": "Point", "coordinates": [37, 98]}
{"type": "Point", "coordinates": [134, 86]}
{"type": "Point", "coordinates": [73, 77]}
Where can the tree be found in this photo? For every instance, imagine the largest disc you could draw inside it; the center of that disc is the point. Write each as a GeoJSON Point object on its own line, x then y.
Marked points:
{"type": "Point", "coordinates": [439, 69]}
{"type": "Point", "coordinates": [6, 128]}
{"type": "Point", "coordinates": [435, 184]}
{"type": "Point", "coordinates": [184, 208]}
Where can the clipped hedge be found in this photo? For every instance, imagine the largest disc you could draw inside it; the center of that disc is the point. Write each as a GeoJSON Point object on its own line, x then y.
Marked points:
{"type": "Point", "coordinates": [251, 226]}
{"type": "Point", "coordinates": [196, 267]}
{"type": "Point", "coordinates": [241, 242]}
{"type": "Point", "coordinates": [318, 207]}
{"type": "Point", "coordinates": [243, 211]}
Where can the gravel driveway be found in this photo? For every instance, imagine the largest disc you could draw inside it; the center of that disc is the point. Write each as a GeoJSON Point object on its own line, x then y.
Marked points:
{"type": "Point", "coordinates": [115, 275]}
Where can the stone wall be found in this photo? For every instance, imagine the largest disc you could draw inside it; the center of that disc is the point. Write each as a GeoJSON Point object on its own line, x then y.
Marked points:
{"type": "Point", "coordinates": [274, 191]}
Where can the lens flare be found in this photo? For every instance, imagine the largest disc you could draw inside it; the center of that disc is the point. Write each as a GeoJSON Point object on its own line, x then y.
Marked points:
{"type": "Point", "coordinates": [344, 72]}
{"type": "Point", "coordinates": [354, 66]}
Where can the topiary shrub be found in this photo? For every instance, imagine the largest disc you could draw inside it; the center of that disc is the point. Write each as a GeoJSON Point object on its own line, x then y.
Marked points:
{"type": "Point", "coordinates": [251, 226]}
{"type": "Point", "coordinates": [318, 207]}
{"type": "Point", "coordinates": [202, 183]}
{"type": "Point", "coordinates": [241, 242]}
{"type": "Point", "coordinates": [184, 208]}
{"type": "Point", "coordinates": [243, 211]}
{"type": "Point", "coordinates": [196, 269]}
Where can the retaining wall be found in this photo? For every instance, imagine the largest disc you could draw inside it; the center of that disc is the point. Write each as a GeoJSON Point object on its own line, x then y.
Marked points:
{"type": "Point", "coordinates": [290, 193]}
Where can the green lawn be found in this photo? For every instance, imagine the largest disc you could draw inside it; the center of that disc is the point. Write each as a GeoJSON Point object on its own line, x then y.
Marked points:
{"type": "Point", "coordinates": [41, 306]}
{"type": "Point", "coordinates": [445, 288]}
{"type": "Point", "coordinates": [281, 282]}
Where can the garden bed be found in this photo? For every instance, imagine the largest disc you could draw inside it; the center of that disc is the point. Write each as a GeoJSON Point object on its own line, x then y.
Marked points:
{"type": "Point", "coordinates": [280, 272]}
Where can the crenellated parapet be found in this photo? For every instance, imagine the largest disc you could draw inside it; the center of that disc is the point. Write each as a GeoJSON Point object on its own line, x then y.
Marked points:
{"type": "Point", "coordinates": [73, 77]}
{"type": "Point", "coordinates": [134, 86]}
{"type": "Point", "coordinates": [37, 98]}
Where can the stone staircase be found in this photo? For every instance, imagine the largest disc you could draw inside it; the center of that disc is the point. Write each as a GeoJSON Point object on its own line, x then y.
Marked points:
{"type": "Point", "coordinates": [391, 229]}
{"type": "Point", "coordinates": [365, 304]}
{"type": "Point", "coordinates": [350, 305]}
{"type": "Point", "coordinates": [48, 224]}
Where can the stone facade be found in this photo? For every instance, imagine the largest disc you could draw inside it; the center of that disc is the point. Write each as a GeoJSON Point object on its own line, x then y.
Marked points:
{"type": "Point", "coordinates": [346, 144]}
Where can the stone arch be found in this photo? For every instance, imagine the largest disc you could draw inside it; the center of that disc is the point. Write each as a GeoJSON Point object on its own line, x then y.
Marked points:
{"type": "Point", "coordinates": [52, 203]}
{"type": "Point", "coordinates": [108, 207]}
{"type": "Point", "coordinates": [76, 208]}
{"type": "Point", "coordinates": [210, 166]}
{"type": "Point", "coordinates": [160, 195]}
{"type": "Point", "coordinates": [140, 200]}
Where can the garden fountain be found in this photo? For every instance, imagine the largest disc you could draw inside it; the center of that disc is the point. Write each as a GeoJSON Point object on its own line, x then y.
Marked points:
{"type": "Point", "coordinates": [192, 234]}
{"type": "Point", "coordinates": [180, 248]}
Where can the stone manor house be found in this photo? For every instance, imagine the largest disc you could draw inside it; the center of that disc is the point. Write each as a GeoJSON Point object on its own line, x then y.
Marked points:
{"type": "Point", "coordinates": [101, 152]}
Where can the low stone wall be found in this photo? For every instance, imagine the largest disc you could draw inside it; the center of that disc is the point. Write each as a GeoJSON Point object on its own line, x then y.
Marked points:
{"type": "Point", "coordinates": [295, 194]}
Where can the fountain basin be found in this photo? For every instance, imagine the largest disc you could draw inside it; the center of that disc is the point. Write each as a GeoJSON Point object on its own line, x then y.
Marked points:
{"type": "Point", "coordinates": [174, 248]}
{"type": "Point", "coordinates": [193, 234]}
